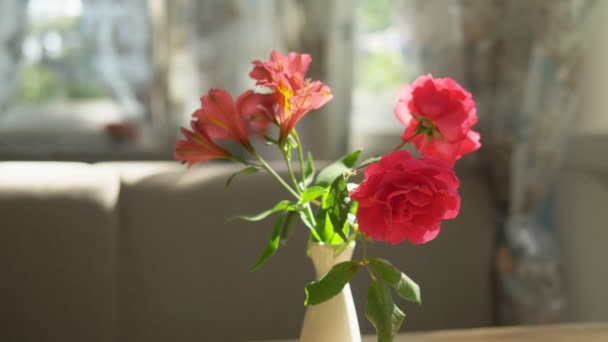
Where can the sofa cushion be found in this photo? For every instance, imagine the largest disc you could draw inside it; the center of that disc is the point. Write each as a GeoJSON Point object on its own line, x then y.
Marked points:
{"type": "Point", "coordinates": [58, 252]}
{"type": "Point", "coordinates": [580, 200]}
{"type": "Point", "coordinates": [186, 270]}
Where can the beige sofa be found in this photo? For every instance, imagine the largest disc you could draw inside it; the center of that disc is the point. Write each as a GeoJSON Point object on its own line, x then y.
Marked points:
{"type": "Point", "coordinates": [141, 252]}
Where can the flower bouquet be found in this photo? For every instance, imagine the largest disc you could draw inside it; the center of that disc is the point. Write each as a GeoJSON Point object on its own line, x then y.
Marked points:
{"type": "Point", "coordinates": [400, 197]}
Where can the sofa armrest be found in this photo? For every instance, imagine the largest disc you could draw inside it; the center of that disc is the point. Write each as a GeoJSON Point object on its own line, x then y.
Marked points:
{"type": "Point", "coordinates": [58, 252]}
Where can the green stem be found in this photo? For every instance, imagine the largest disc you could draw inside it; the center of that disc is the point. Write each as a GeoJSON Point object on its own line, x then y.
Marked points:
{"type": "Point", "coordinates": [291, 174]}
{"type": "Point", "coordinates": [365, 261]}
{"type": "Point", "coordinates": [244, 162]}
{"type": "Point", "coordinates": [371, 274]}
{"type": "Point", "coordinates": [314, 233]}
{"type": "Point", "coordinates": [406, 141]}
{"type": "Point", "coordinates": [238, 160]}
{"type": "Point", "coordinates": [364, 248]}
{"type": "Point", "coordinates": [300, 157]}
{"type": "Point", "coordinates": [276, 176]}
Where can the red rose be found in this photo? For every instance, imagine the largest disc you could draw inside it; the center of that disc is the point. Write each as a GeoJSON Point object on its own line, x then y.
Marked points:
{"type": "Point", "coordinates": [406, 198]}
{"type": "Point", "coordinates": [442, 113]}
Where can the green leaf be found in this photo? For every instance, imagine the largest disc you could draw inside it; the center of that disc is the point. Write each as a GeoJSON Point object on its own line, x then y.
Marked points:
{"type": "Point", "coordinates": [337, 205]}
{"type": "Point", "coordinates": [312, 193]}
{"type": "Point", "coordinates": [354, 208]}
{"type": "Point", "coordinates": [246, 171]}
{"type": "Point", "coordinates": [331, 284]}
{"type": "Point", "coordinates": [283, 205]}
{"type": "Point", "coordinates": [382, 312]}
{"type": "Point", "coordinates": [368, 161]}
{"type": "Point", "coordinates": [273, 243]}
{"type": "Point", "coordinates": [323, 226]}
{"type": "Point", "coordinates": [332, 218]}
{"type": "Point", "coordinates": [337, 168]}
{"type": "Point", "coordinates": [404, 285]}
{"type": "Point", "coordinates": [288, 225]}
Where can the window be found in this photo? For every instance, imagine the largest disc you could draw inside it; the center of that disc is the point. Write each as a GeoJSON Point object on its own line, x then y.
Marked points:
{"type": "Point", "coordinates": [82, 79]}
{"type": "Point", "coordinates": [379, 67]}
{"type": "Point", "coordinates": [117, 77]}
{"type": "Point", "coordinates": [395, 44]}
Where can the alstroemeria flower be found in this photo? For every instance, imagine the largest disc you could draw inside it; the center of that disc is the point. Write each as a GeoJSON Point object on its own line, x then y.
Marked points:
{"type": "Point", "coordinates": [198, 146]}
{"type": "Point", "coordinates": [256, 110]}
{"type": "Point", "coordinates": [293, 64]}
{"type": "Point", "coordinates": [295, 95]}
{"type": "Point", "coordinates": [441, 113]}
{"type": "Point", "coordinates": [220, 118]}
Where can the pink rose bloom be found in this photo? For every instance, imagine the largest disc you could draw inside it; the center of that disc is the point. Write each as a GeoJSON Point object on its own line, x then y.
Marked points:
{"type": "Point", "coordinates": [295, 95]}
{"type": "Point", "coordinates": [403, 198]}
{"type": "Point", "coordinates": [442, 113]}
{"type": "Point", "coordinates": [220, 118]}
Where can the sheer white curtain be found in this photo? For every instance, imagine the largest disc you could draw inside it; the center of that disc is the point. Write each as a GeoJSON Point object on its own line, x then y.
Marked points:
{"type": "Point", "coordinates": [213, 44]}
{"type": "Point", "coordinates": [119, 38]}
{"type": "Point", "coordinates": [12, 28]}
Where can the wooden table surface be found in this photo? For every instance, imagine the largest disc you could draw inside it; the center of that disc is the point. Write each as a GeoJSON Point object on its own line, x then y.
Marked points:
{"type": "Point", "coordinates": [574, 332]}
{"type": "Point", "coordinates": [583, 332]}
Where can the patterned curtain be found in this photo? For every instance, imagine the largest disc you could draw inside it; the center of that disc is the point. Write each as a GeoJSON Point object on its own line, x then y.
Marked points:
{"type": "Point", "coordinates": [522, 61]}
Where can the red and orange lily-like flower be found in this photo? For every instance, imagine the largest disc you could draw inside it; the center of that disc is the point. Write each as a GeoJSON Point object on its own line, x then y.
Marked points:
{"type": "Point", "coordinates": [198, 146]}
{"type": "Point", "coordinates": [295, 95]}
{"type": "Point", "coordinates": [220, 118]}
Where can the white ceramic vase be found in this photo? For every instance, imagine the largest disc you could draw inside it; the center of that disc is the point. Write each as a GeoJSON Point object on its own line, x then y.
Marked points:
{"type": "Point", "coordinates": [336, 319]}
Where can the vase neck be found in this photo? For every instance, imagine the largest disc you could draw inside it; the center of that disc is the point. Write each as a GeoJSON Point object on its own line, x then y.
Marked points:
{"type": "Point", "coordinates": [324, 256]}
